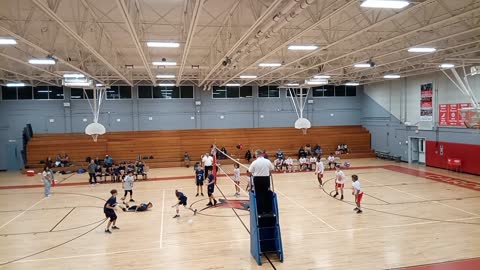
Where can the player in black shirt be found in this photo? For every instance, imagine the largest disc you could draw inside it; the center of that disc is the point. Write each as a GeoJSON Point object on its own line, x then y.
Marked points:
{"type": "Point", "coordinates": [109, 210]}
{"type": "Point", "coordinates": [182, 200]}
{"type": "Point", "coordinates": [137, 208]}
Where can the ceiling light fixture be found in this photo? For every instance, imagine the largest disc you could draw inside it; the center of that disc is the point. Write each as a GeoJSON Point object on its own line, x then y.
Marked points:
{"type": "Point", "coordinates": [302, 47]}
{"type": "Point", "coordinates": [362, 65]}
{"type": "Point", "coordinates": [248, 76]}
{"type": "Point", "coordinates": [391, 76]}
{"type": "Point", "coordinates": [158, 44]}
{"type": "Point", "coordinates": [16, 84]}
{"type": "Point", "coordinates": [232, 84]}
{"type": "Point", "coordinates": [422, 49]}
{"type": "Point", "coordinates": [352, 84]}
{"type": "Point", "coordinates": [321, 77]}
{"type": "Point", "coordinates": [73, 75]}
{"type": "Point", "coordinates": [269, 64]}
{"type": "Point", "coordinates": [395, 4]}
{"type": "Point", "coordinates": [292, 84]}
{"type": "Point", "coordinates": [7, 41]}
{"type": "Point", "coordinates": [166, 84]}
{"type": "Point", "coordinates": [317, 82]}
{"type": "Point", "coordinates": [164, 63]}
{"type": "Point", "coordinates": [88, 83]}
{"type": "Point", "coordinates": [446, 65]}
{"type": "Point", "coordinates": [165, 76]}
{"type": "Point", "coordinates": [45, 61]}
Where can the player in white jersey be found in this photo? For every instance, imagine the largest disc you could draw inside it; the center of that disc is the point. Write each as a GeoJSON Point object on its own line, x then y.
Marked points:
{"type": "Point", "coordinates": [358, 193]}
{"type": "Point", "coordinates": [289, 162]}
{"type": "Point", "coordinates": [312, 161]}
{"type": "Point", "coordinates": [236, 178]}
{"type": "Point", "coordinates": [319, 168]}
{"type": "Point", "coordinates": [303, 163]}
{"type": "Point", "coordinates": [339, 181]}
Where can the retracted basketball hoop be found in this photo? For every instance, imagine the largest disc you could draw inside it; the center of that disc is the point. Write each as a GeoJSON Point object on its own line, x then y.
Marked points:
{"type": "Point", "coordinates": [298, 95]}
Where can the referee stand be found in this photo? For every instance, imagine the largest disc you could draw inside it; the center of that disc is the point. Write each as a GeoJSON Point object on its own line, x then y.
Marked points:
{"type": "Point", "coordinates": [265, 234]}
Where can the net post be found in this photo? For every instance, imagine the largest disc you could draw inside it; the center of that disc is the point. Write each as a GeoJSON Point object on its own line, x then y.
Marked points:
{"type": "Point", "coordinates": [214, 171]}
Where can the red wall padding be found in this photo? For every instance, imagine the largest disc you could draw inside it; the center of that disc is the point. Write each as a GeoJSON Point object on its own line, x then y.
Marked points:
{"type": "Point", "coordinates": [469, 154]}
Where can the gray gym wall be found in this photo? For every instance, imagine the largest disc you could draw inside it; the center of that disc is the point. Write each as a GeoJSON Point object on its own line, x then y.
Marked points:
{"type": "Point", "coordinates": [170, 114]}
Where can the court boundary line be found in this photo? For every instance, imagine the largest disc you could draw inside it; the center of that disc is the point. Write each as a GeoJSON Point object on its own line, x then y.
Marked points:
{"type": "Point", "coordinates": [71, 210]}
{"type": "Point", "coordinates": [435, 263]}
{"type": "Point", "coordinates": [306, 210]}
{"type": "Point", "coordinates": [19, 215]}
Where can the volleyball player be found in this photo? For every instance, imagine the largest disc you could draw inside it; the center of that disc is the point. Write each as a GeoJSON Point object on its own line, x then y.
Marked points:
{"type": "Point", "coordinates": [289, 163]}
{"type": "Point", "coordinates": [211, 189]}
{"type": "Point", "coordinates": [358, 193]}
{"type": "Point", "coordinates": [128, 186]}
{"type": "Point", "coordinates": [303, 163]}
{"type": "Point", "coordinates": [236, 178]}
{"type": "Point", "coordinates": [182, 200]}
{"type": "Point", "coordinates": [339, 181]}
{"type": "Point", "coordinates": [199, 178]}
{"type": "Point", "coordinates": [313, 161]}
{"type": "Point", "coordinates": [319, 168]}
{"type": "Point", "coordinates": [109, 210]}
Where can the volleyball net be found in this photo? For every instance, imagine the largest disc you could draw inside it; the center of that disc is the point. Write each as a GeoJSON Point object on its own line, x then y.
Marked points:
{"type": "Point", "coordinates": [225, 171]}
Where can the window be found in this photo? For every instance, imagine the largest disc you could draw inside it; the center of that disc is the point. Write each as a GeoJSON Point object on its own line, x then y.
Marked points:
{"type": "Point", "coordinates": [40, 92]}
{"type": "Point", "coordinates": [25, 92]}
{"type": "Point", "coordinates": [232, 92]}
{"type": "Point", "coordinates": [297, 92]}
{"type": "Point", "coordinates": [145, 91]}
{"type": "Point", "coordinates": [56, 92]}
{"type": "Point", "coordinates": [166, 92]}
{"type": "Point", "coordinates": [269, 91]}
{"type": "Point", "coordinates": [9, 93]}
{"type": "Point", "coordinates": [329, 91]}
{"type": "Point", "coordinates": [351, 91]}
{"type": "Point", "coordinates": [340, 90]}
{"type": "Point", "coordinates": [76, 93]}
{"type": "Point", "coordinates": [119, 92]}
{"type": "Point", "coordinates": [318, 91]}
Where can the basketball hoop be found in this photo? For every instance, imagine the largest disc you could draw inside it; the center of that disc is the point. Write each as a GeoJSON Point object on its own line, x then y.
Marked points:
{"type": "Point", "coordinates": [299, 101]}
{"type": "Point", "coordinates": [95, 129]}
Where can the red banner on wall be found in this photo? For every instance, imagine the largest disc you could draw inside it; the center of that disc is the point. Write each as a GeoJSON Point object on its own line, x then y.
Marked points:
{"type": "Point", "coordinates": [449, 114]}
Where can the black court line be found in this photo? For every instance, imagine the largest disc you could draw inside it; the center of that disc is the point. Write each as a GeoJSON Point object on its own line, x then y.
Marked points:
{"type": "Point", "coordinates": [65, 179]}
{"type": "Point", "coordinates": [399, 215]}
{"type": "Point", "coordinates": [62, 219]}
{"type": "Point", "coordinates": [376, 198]}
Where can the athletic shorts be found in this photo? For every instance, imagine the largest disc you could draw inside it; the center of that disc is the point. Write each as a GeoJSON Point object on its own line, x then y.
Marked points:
{"type": "Point", "coordinates": [339, 185]}
{"type": "Point", "coordinates": [237, 183]}
{"type": "Point", "coordinates": [320, 175]}
{"type": "Point", "coordinates": [199, 183]}
{"type": "Point", "coordinates": [359, 197]}
{"type": "Point", "coordinates": [111, 215]}
{"type": "Point", "coordinates": [184, 202]}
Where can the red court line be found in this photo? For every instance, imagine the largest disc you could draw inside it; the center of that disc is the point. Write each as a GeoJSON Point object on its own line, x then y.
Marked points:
{"type": "Point", "coordinates": [469, 264]}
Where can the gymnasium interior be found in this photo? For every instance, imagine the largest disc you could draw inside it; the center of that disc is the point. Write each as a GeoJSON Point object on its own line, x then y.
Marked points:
{"type": "Point", "coordinates": [388, 89]}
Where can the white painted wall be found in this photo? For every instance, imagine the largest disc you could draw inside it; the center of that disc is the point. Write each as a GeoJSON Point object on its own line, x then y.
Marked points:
{"type": "Point", "coordinates": [402, 97]}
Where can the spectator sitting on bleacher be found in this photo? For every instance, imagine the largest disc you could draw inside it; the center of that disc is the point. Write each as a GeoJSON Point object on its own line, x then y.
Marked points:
{"type": "Point", "coordinates": [308, 149]}
{"type": "Point", "coordinates": [301, 152]}
{"type": "Point", "coordinates": [97, 161]}
{"type": "Point", "coordinates": [130, 167]}
{"type": "Point", "coordinates": [278, 164]}
{"type": "Point", "coordinates": [49, 162]}
{"type": "Point", "coordinates": [224, 150]}
{"type": "Point", "coordinates": [312, 162]}
{"type": "Point", "coordinates": [122, 168]}
{"type": "Point", "coordinates": [116, 173]}
{"type": "Point", "coordinates": [141, 170]}
{"type": "Point", "coordinates": [279, 154]}
{"type": "Point", "coordinates": [289, 163]}
{"type": "Point", "coordinates": [108, 161]}
{"type": "Point", "coordinates": [58, 160]}
{"type": "Point", "coordinates": [345, 149]}
{"type": "Point", "coordinates": [65, 161]}
{"type": "Point", "coordinates": [331, 161]}
{"type": "Point", "coordinates": [248, 156]}
{"type": "Point", "coordinates": [98, 171]}
{"type": "Point", "coordinates": [186, 159]}
{"type": "Point", "coordinates": [303, 163]}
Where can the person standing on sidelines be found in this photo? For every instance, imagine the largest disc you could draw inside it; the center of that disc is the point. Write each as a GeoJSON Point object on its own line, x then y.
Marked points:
{"type": "Point", "coordinates": [207, 161]}
{"type": "Point", "coordinates": [47, 179]}
{"type": "Point", "coordinates": [358, 193]}
{"type": "Point", "coordinates": [339, 181]}
{"type": "Point", "coordinates": [261, 170]}
{"type": "Point", "coordinates": [91, 172]}
{"type": "Point", "coordinates": [319, 168]}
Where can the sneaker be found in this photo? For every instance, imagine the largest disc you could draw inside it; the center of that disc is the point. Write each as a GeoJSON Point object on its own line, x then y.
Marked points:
{"type": "Point", "coordinates": [341, 198]}
{"type": "Point", "coordinates": [196, 195]}
{"type": "Point", "coordinates": [108, 231]}
{"type": "Point", "coordinates": [336, 194]}
{"type": "Point", "coordinates": [115, 228]}
{"type": "Point", "coordinates": [176, 216]}
{"type": "Point", "coordinates": [214, 202]}
{"type": "Point", "coordinates": [195, 212]}
{"type": "Point", "coordinates": [132, 200]}
{"type": "Point", "coordinates": [123, 198]}
{"type": "Point", "coordinates": [201, 194]}
{"type": "Point", "coordinates": [355, 209]}
{"type": "Point", "coordinates": [359, 211]}
{"type": "Point", "coordinates": [209, 204]}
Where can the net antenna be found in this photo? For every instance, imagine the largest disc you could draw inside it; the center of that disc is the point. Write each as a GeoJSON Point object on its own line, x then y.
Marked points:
{"type": "Point", "coordinates": [299, 100]}
{"type": "Point", "coordinates": [471, 115]}
{"type": "Point", "coordinates": [95, 129]}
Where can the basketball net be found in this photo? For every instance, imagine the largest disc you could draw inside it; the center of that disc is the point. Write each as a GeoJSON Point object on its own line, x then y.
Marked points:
{"type": "Point", "coordinates": [470, 115]}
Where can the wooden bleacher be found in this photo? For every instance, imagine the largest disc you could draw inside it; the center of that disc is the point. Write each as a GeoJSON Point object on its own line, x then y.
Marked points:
{"type": "Point", "coordinates": [167, 147]}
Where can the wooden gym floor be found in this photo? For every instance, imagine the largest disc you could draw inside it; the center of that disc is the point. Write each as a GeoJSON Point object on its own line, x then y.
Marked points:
{"type": "Point", "coordinates": [412, 216]}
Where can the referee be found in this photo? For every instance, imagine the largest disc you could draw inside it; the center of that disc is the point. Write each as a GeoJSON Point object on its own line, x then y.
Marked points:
{"type": "Point", "coordinates": [260, 171]}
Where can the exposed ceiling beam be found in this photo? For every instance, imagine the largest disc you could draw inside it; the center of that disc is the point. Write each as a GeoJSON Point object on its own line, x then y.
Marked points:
{"type": "Point", "coordinates": [191, 32]}
{"type": "Point", "coordinates": [133, 33]}
{"type": "Point", "coordinates": [297, 36]}
{"type": "Point", "coordinates": [45, 52]}
{"type": "Point", "coordinates": [239, 42]}
{"type": "Point", "coordinates": [79, 39]}
{"type": "Point", "coordinates": [28, 64]}
{"type": "Point", "coordinates": [383, 42]}
{"type": "Point", "coordinates": [348, 37]}
{"type": "Point", "coordinates": [28, 77]}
